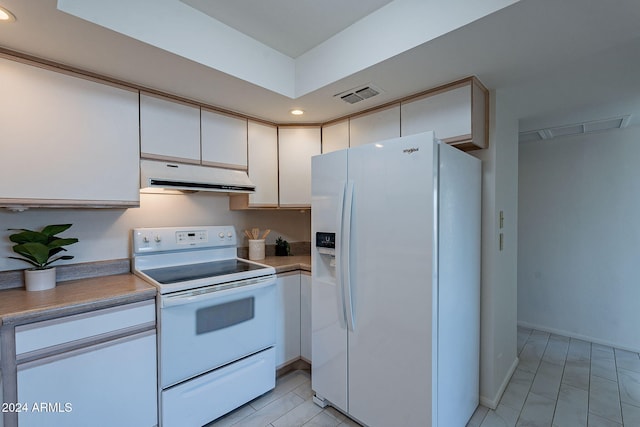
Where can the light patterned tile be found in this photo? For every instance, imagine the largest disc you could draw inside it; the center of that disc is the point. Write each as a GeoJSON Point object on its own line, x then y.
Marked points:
{"type": "Point", "coordinates": [604, 400]}
{"type": "Point", "coordinates": [515, 394]}
{"type": "Point", "coordinates": [630, 415]}
{"type": "Point", "coordinates": [284, 385]}
{"type": "Point", "coordinates": [556, 351]}
{"type": "Point", "coordinates": [272, 411]}
{"type": "Point", "coordinates": [629, 384]}
{"type": "Point", "coordinates": [572, 407]}
{"type": "Point", "coordinates": [298, 415]}
{"type": "Point", "coordinates": [304, 390]}
{"type": "Point", "coordinates": [596, 421]}
{"type": "Point", "coordinates": [478, 416]}
{"type": "Point", "coordinates": [627, 360]}
{"type": "Point", "coordinates": [523, 336]}
{"type": "Point", "coordinates": [503, 416]}
{"type": "Point", "coordinates": [330, 410]}
{"type": "Point", "coordinates": [232, 417]}
{"type": "Point", "coordinates": [537, 411]}
{"type": "Point", "coordinates": [532, 354]}
{"type": "Point", "coordinates": [322, 420]}
{"type": "Point", "coordinates": [579, 350]}
{"type": "Point", "coordinates": [603, 363]}
{"type": "Point", "coordinates": [348, 422]}
{"type": "Point", "coordinates": [577, 373]}
{"type": "Point", "coordinates": [547, 381]}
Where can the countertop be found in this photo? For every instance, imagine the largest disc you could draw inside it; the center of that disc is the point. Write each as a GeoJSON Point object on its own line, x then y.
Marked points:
{"type": "Point", "coordinates": [18, 306]}
{"type": "Point", "coordinates": [284, 264]}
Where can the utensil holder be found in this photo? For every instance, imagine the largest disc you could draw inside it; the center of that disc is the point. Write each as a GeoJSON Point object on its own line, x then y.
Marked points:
{"type": "Point", "coordinates": [256, 249]}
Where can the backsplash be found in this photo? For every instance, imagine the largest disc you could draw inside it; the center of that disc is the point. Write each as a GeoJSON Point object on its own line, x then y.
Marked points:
{"type": "Point", "coordinates": [297, 248]}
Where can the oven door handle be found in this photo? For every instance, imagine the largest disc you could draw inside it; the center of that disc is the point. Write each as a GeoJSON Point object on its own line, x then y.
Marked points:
{"type": "Point", "coordinates": [216, 291]}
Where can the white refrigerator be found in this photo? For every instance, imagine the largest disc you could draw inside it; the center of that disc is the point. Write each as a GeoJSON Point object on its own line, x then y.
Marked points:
{"type": "Point", "coordinates": [396, 282]}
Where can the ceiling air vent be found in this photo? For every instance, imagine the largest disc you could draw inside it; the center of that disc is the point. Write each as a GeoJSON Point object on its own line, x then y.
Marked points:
{"type": "Point", "coordinates": [358, 94]}
{"type": "Point", "coordinates": [575, 129]}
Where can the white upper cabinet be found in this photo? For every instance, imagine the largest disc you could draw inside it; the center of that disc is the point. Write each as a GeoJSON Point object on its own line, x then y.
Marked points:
{"type": "Point", "coordinates": [456, 113]}
{"type": "Point", "coordinates": [375, 126]}
{"type": "Point", "coordinates": [296, 147]}
{"type": "Point", "coordinates": [169, 130]}
{"type": "Point", "coordinates": [224, 140]}
{"type": "Point", "coordinates": [65, 140]}
{"type": "Point", "coordinates": [335, 136]}
{"type": "Point", "coordinates": [263, 165]}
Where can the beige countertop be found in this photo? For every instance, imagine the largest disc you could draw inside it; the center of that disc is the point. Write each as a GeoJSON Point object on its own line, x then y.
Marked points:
{"type": "Point", "coordinates": [284, 264]}
{"type": "Point", "coordinates": [18, 306]}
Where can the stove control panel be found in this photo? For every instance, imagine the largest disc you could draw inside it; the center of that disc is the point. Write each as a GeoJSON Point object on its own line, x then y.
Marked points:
{"type": "Point", "coordinates": [192, 237]}
{"type": "Point", "coordinates": [182, 238]}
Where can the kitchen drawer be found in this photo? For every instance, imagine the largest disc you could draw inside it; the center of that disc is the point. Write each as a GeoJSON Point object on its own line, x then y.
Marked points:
{"type": "Point", "coordinates": [77, 329]}
{"type": "Point", "coordinates": [187, 404]}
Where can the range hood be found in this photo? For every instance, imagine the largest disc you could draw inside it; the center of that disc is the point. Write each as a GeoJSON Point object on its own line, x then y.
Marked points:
{"type": "Point", "coordinates": [184, 177]}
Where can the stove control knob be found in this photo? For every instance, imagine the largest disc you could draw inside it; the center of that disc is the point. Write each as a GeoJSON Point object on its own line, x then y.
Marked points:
{"type": "Point", "coordinates": [229, 234]}
{"type": "Point", "coordinates": [221, 235]}
{"type": "Point", "coordinates": [145, 239]}
{"type": "Point", "coordinates": [158, 239]}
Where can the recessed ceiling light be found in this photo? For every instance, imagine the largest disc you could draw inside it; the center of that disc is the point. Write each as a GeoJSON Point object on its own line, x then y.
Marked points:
{"type": "Point", "coordinates": [297, 112]}
{"type": "Point", "coordinates": [6, 16]}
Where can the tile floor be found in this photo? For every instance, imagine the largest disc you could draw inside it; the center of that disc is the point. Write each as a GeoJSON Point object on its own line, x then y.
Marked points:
{"type": "Point", "coordinates": [288, 405]}
{"type": "Point", "coordinates": [566, 382]}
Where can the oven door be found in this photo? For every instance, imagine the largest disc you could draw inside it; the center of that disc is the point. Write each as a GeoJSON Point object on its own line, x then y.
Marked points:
{"type": "Point", "coordinates": [203, 329]}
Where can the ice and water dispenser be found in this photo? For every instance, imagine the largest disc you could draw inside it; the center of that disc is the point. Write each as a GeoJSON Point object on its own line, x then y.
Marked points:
{"type": "Point", "coordinates": [326, 254]}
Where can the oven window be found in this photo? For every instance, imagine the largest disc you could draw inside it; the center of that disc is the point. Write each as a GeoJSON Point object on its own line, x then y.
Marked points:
{"type": "Point", "coordinates": [222, 316]}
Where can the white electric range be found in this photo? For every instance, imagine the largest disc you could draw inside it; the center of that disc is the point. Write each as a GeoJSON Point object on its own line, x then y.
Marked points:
{"type": "Point", "coordinates": [216, 321]}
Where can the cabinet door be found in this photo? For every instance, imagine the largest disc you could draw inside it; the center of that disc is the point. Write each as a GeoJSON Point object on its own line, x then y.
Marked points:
{"type": "Point", "coordinates": [296, 146]}
{"type": "Point", "coordinates": [447, 113]}
{"type": "Point", "coordinates": [287, 318]}
{"type": "Point", "coordinates": [375, 126]}
{"type": "Point", "coordinates": [224, 140]}
{"type": "Point", "coordinates": [457, 114]}
{"type": "Point", "coordinates": [66, 141]}
{"type": "Point", "coordinates": [305, 316]}
{"type": "Point", "coordinates": [335, 136]}
{"type": "Point", "coordinates": [169, 130]}
{"type": "Point", "coordinates": [111, 384]}
{"type": "Point", "coordinates": [263, 164]}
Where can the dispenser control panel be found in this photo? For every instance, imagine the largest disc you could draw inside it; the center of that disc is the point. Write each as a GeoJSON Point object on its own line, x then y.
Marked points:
{"type": "Point", "coordinates": [326, 240]}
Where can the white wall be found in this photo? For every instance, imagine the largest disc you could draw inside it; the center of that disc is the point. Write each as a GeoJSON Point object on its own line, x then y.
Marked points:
{"type": "Point", "coordinates": [579, 237]}
{"type": "Point", "coordinates": [105, 233]}
{"type": "Point", "coordinates": [498, 336]}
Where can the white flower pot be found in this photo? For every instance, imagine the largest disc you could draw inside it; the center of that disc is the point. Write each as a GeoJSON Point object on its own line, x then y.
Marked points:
{"type": "Point", "coordinates": [40, 280]}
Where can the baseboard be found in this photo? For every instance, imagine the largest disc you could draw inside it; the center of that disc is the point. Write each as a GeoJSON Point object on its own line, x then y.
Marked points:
{"type": "Point", "coordinates": [294, 365]}
{"type": "Point", "coordinates": [492, 403]}
{"type": "Point", "coordinates": [570, 334]}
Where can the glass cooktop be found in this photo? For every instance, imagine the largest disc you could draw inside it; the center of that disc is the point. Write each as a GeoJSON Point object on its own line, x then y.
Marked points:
{"type": "Point", "coordinates": [185, 273]}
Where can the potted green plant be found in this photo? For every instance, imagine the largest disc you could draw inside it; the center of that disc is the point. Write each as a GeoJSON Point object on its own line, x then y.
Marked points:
{"type": "Point", "coordinates": [41, 249]}
{"type": "Point", "coordinates": [282, 247]}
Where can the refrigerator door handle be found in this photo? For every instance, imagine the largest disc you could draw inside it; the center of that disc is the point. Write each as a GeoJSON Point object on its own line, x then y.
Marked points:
{"type": "Point", "coordinates": [346, 258]}
{"type": "Point", "coordinates": [342, 313]}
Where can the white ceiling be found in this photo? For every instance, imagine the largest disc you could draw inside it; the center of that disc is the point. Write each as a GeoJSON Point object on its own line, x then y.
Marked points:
{"type": "Point", "coordinates": [292, 27]}
{"type": "Point", "coordinates": [560, 58]}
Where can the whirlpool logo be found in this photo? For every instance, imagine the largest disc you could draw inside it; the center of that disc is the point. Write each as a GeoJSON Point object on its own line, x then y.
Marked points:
{"type": "Point", "coordinates": [410, 150]}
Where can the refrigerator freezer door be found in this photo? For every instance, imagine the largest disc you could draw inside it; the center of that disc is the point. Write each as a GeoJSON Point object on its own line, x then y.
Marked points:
{"type": "Point", "coordinates": [392, 269]}
{"type": "Point", "coordinates": [328, 321]}
{"type": "Point", "coordinates": [459, 287]}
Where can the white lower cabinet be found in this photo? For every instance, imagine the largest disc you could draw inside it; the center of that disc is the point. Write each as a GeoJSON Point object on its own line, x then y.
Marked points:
{"type": "Point", "coordinates": [94, 368]}
{"type": "Point", "coordinates": [287, 318]}
{"type": "Point", "coordinates": [305, 316]}
{"type": "Point", "coordinates": [293, 324]}
{"type": "Point", "coordinates": [110, 384]}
